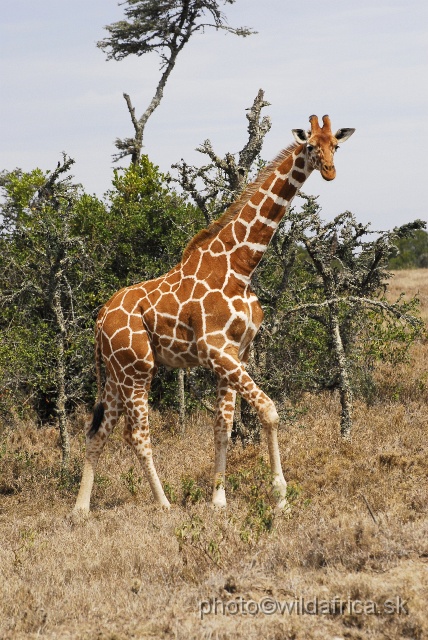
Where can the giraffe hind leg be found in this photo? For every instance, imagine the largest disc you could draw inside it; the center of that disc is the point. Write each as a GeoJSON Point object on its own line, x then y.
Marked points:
{"type": "Point", "coordinates": [104, 419]}
{"type": "Point", "coordinates": [137, 435]}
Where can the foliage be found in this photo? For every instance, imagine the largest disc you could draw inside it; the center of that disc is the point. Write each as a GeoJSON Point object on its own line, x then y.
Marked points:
{"type": "Point", "coordinates": [163, 26]}
{"type": "Point", "coordinates": [140, 229]}
{"type": "Point", "coordinates": [64, 253]}
{"type": "Point", "coordinates": [192, 540]}
{"type": "Point", "coordinates": [412, 251]}
{"type": "Point", "coordinates": [323, 286]}
{"type": "Point", "coordinates": [53, 236]}
{"type": "Point", "coordinates": [132, 480]}
{"type": "Point", "coordinates": [255, 485]}
{"type": "Point", "coordinates": [43, 266]}
{"type": "Point", "coordinates": [192, 493]}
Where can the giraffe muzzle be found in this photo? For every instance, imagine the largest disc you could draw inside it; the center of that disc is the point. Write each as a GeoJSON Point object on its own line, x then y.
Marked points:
{"type": "Point", "coordinates": [328, 172]}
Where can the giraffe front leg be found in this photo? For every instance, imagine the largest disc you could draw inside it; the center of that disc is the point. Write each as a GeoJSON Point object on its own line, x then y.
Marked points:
{"type": "Point", "coordinates": [271, 425]}
{"type": "Point", "coordinates": [222, 429]}
{"type": "Point", "coordinates": [230, 369]}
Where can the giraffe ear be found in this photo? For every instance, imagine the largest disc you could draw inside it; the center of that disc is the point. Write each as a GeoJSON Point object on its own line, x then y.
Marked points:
{"type": "Point", "coordinates": [343, 134]}
{"type": "Point", "coordinates": [300, 135]}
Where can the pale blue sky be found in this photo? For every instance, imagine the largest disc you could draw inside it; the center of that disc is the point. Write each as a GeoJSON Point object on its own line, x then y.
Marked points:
{"type": "Point", "coordinates": [364, 63]}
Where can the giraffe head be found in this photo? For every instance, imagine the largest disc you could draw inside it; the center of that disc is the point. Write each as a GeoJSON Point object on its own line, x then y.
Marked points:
{"type": "Point", "coordinates": [321, 145]}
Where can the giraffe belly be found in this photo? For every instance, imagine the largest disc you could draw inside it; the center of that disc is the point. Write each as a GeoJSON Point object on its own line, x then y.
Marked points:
{"type": "Point", "coordinates": [175, 353]}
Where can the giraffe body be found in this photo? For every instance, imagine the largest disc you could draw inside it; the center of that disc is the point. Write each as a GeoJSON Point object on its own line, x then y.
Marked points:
{"type": "Point", "coordinates": [203, 312]}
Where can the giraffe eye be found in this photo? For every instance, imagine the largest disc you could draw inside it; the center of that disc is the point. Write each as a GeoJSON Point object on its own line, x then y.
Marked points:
{"type": "Point", "coordinates": [309, 147]}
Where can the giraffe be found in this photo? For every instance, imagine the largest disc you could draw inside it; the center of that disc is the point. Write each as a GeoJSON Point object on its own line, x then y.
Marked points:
{"type": "Point", "coordinates": [203, 312]}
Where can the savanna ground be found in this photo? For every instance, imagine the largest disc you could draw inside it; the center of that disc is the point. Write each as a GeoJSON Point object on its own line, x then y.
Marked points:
{"type": "Point", "coordinates": [357, 533]}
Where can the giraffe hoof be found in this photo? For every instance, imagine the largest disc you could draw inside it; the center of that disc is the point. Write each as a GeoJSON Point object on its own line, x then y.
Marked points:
{"type": "Point", "coordinates": [283, 506]}
{"type": "Point", "coordinates": [79, 515]}
{"type": "Point", "coordinates": [218, 505]}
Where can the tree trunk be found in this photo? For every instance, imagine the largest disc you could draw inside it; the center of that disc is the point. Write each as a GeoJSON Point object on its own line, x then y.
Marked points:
{"type": "Point", "coordinates": [61, 376]}
{"type": "Point", "coordinates": [344, 382]}
{"type": "Point", "coordinates": [133, 146]}
{"type": "Point", "coordinates": [181, 401]}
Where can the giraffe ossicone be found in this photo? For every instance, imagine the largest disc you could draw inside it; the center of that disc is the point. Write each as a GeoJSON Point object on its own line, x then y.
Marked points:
{"type": "Point", "coordinates": [203, 312]}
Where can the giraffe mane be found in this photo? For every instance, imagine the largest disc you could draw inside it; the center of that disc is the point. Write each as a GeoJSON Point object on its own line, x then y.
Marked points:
{"type": "Point", "coordinates": [236, 207]}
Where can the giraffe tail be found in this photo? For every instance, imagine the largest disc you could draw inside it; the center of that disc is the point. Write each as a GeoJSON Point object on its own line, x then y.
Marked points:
{"type": "Point", "coordinates": [98, 413]}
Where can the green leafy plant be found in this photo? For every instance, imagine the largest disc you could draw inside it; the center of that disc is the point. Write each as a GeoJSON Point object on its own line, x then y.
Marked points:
{"type": "Point", "coordinates": [260, 496]}
{"type": "Point", "coordinates": [170, 492]}
{"type": "Point", "coordinates": [192, 539]}
{"type": "Point", "coordinates": [191, 492]}
{"type": "Point", "coordinates": [132, 481]}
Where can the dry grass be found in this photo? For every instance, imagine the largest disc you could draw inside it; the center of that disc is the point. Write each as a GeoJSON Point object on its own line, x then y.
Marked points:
{"type": "Point", "coordinates": [358, 528]}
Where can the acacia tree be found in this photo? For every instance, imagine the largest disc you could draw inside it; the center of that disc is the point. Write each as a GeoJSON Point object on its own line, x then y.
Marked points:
{"type": "Point", "coordinates": [164, 27]}
{"type": "Point", "coordinates": [42, 266]}
{"type": "Point", "coordinates": [329, 298]}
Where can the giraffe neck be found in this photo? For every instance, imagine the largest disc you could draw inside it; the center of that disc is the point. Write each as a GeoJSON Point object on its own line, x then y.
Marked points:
{"type": "Point", "coordinates": [247, 236]}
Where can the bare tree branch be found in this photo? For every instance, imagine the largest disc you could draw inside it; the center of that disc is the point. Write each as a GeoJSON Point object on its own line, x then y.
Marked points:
{"type": "Point", "coordinates": [164, 28]}
{"type": "Point", "coordinates": [215, 186]}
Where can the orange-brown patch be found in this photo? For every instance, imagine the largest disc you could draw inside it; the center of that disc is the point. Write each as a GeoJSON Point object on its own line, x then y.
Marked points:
{"type": "Point", "coordinates": [284, 190]}
{"type": "Point", "coordinates": [216, 320]}
{"type": "Point", "coordinates": [240, 230]}
{"type": "Point", "coordinates": [205, 269]}
{"type": "Point", "coordinates": [173, 277]}
{"type": "Point", "coordinates": [178, 347]}
{"type": "Point", "coordinates": [149, 318]}
{"type": "Point", "coordinates": [190, 313]}
{"type": "Point", "coordinates": [192, 263]}
{"type": "Point", "coordinates": [258, 228]}
{"type": "Point", "coordinates": [271, 210]}
{"type": "Point", "coordinates": [256, 200]}
{"type": "Point", "coordinates": [236, 329]}
{"type": "Point", "coordinates": [219, 269]}
{"type": "Point", "coordinates": [217, 341]}
{"type": "Point", "coordinates": [121, 339]}
{"type": "Point", "coordinates": [217, 246]}
{"type": "Point", "coordinates": [154, 296]}
{"type": "Point", "coordinates": [233, 287]}
{"type": "Point", "coordinates": [124, 357]}
{"type": "Point", "coordinates": [114, 321]}
{"type": "Point", "coordinates": [131, 298]}
{"type": "Point", "coordinates": [269, 181]}
{"type": "Point", "coordinates": [213, 302]}
{"type": "Point", "coordinates": [247, 214]}
{"type": "Point", "coordinates": [240, 306]}
{"type": "Point", "coordinates": [200, 290]}
{"type": "Point", "coordinates": [168, 304]}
